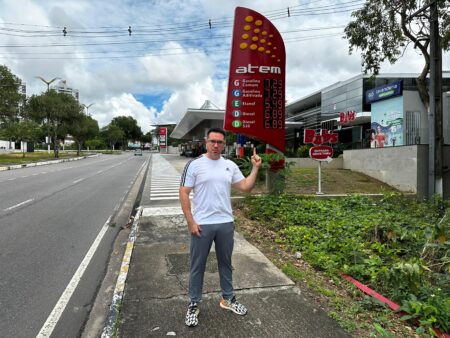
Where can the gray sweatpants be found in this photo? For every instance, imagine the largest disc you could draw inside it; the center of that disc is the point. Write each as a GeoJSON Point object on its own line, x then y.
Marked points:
{"type": "Point", "coordinates": [222, 235]}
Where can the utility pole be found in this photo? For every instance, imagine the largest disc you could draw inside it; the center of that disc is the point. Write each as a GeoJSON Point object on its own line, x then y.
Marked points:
{"type": "Point", "coordinates": [435, 150]}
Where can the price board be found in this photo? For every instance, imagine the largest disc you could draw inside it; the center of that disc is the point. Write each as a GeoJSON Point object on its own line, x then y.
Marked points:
{"type": "Point", "coordinates": [256, 87]}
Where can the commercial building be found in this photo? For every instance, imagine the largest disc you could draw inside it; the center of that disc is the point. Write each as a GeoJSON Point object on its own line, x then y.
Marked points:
{"type": "Point", "coordinates": [344, 108]}
{"type": "Point", "coordinates": [331, 107]}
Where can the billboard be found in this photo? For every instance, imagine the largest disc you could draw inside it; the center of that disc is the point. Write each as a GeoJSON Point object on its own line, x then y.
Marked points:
{"type": "Point", "coordinates": [387, 122]}
{"type": "Point", "coordinates": [256, 86]}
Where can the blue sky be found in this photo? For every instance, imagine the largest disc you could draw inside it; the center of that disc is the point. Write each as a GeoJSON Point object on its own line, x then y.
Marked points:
{"type": "Point", "coordinates": [172, 60]}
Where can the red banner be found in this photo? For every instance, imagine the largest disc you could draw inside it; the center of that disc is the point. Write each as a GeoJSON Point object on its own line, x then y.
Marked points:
{"type": "Point", "coordinates": [256, 86]}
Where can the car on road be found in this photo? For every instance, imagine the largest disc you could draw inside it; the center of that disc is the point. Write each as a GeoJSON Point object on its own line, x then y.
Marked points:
{"type": "Point", "coordinates": [138, 152]}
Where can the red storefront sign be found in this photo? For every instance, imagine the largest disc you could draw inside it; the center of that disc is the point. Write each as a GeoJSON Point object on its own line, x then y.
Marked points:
{"type": "Point", "coordinates": [324, 136]}
{"type": "Point", "coordinates": [320, 152]}
{"type": "Point", "coordinates": [345, 117]}
{"type": "Point", "coordinates": [256, 86]}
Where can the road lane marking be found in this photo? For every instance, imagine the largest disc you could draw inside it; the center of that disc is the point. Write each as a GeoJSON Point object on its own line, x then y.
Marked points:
{"type": "Point", "coordinates": [55, 315]}
{"type": "Point", "coordinates": [78, 181]}
{"type": "Point", "coordinates": [11, 179]}
{"type": "Point", "coordinates": [18, 205]}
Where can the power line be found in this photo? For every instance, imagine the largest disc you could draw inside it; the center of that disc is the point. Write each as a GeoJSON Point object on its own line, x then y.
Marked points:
{"type": "Point", "coordinates": [185, 27]}
{"type": "Point", "coordinates": [158, 52]}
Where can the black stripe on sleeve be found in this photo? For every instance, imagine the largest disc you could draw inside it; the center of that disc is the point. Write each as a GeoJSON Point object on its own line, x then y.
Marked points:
{"type": "Point", "coordinates": [183, 176]}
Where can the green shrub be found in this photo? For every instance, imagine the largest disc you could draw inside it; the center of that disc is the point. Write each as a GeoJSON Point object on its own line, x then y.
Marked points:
{"type": "Point", "coordinates": [398, 246]}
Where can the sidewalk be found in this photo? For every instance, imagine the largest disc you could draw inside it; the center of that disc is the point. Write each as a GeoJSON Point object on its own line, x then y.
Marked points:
{"type": "Point", "coordinates": [155, 297]}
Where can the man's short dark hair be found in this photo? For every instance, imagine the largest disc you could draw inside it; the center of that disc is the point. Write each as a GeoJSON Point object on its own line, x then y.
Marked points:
{"type": "Point", "coordinates": [216, 130]}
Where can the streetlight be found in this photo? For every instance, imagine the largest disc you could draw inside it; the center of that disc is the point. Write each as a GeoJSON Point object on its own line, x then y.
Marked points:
{"type": "Point", "coordinates": [47, 82]}
{"type": "Point", "coordinates": [48, 89]}
{"type": "Point", "coordinates": [87, 108]}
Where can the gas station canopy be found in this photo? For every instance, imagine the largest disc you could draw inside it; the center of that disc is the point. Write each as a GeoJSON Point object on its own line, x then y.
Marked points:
{"type": "Point", "coordinates": [196, 122]}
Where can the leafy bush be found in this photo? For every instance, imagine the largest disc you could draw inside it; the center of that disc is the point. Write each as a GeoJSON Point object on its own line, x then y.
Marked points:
{"type": "Point", "coordinates": [398, 246]}
{"type": "Point", "coordinates": [303, 151]}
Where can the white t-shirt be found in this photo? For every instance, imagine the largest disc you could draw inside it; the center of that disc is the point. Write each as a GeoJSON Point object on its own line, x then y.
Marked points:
{"type": "Point", "coordinates": [211, 182]}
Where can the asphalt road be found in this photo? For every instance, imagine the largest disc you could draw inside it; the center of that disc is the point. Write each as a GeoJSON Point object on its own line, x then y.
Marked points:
{"type": "Point", "coordinates": [50, 216]}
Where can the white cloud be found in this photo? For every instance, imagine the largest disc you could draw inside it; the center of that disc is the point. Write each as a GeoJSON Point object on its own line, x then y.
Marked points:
{"type": "Point", "coordinates": [176, 71]}
{"type": "Point", "coordinates": [158, 57]}
{"type": "Point", "coordinates": [192, 96]}
{"type": "Point", "coordinates": [123, 105]}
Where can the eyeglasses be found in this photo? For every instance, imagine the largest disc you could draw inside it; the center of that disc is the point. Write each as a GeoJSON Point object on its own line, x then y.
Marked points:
{"type": "Point", "coordinates": [219, 143]}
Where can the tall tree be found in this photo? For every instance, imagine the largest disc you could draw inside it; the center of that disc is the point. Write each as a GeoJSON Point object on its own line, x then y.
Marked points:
{"type": "Point", "coordinates": [26, 131]}
{"type": "Point", "coordinates": [82, 128]}
{"type": "Point", "coordinates": [11, 101]}
{"type": "Point", "coordinates": [10, 96]}
{"type": "Point", "coordinates": [130, 128]}
{"type": "Point", "coordinates": [382, 29]}
{"type": "Point", "coordinates": [147, 138]}
{"type": "Point", "coordinates": [56, 111]}
{"type": "Point", "coordinates": [114, 134]}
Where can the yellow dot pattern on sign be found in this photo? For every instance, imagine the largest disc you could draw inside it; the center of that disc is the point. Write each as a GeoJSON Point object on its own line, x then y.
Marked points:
{"type": "Point", "coordinates": [256, 32]}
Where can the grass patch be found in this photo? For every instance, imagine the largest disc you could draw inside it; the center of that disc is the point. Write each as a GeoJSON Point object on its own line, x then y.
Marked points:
{"type": "Point", "coordinates": [17, 157]}
{"type": "Point", "coordinates": [396, 245]}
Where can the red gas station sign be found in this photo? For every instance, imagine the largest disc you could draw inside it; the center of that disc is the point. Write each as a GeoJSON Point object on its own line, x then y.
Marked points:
{"type": "Point", "coordinates": [162, 137]}
{"type": "Point", "coordinates": [256, 86]}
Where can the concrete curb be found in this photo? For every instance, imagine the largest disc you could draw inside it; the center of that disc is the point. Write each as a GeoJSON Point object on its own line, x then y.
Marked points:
{"type": "Point", "coordinates": [113, 314]}
{"type": "Point", "coordinates": [34, 164]}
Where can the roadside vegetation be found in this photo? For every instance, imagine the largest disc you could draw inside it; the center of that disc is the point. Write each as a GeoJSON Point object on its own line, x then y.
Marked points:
{"type": "Point", "coordinates": [396, 245]}
{"type": "Point", "coordinates": [17, 157]}
{"type": "Point", "coordinates": [12, 158]}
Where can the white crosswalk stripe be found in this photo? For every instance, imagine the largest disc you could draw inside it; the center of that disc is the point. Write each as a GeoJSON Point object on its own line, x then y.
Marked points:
{"type": "Point", "coordinates": [165, 180]}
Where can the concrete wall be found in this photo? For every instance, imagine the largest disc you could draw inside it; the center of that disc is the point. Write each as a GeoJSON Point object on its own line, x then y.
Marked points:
{"type": "Point", "coordinates": [396, 166]}
{"type": "Point", "coordinates": [405, 168]}
{"type": "Point", "coordinates": [337, 163]}
{"type": "Point", "coordinates": [4, 145]}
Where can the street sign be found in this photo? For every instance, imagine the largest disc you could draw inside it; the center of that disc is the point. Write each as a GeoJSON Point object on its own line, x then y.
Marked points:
{"type": "Point", "coordinates": [321, 153]}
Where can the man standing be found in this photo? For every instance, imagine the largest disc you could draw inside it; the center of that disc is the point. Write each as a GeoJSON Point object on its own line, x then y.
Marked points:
{"type": "Point", "coordinates": [211, 176]}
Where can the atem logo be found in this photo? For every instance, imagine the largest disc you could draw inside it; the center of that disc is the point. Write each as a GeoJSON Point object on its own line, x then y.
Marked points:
{"type": "Point", "coordinates": [258, 69]}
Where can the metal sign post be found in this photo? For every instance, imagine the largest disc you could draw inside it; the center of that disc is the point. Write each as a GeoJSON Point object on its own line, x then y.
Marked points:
{"type": "Point", "coordinates": [319, 168]}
